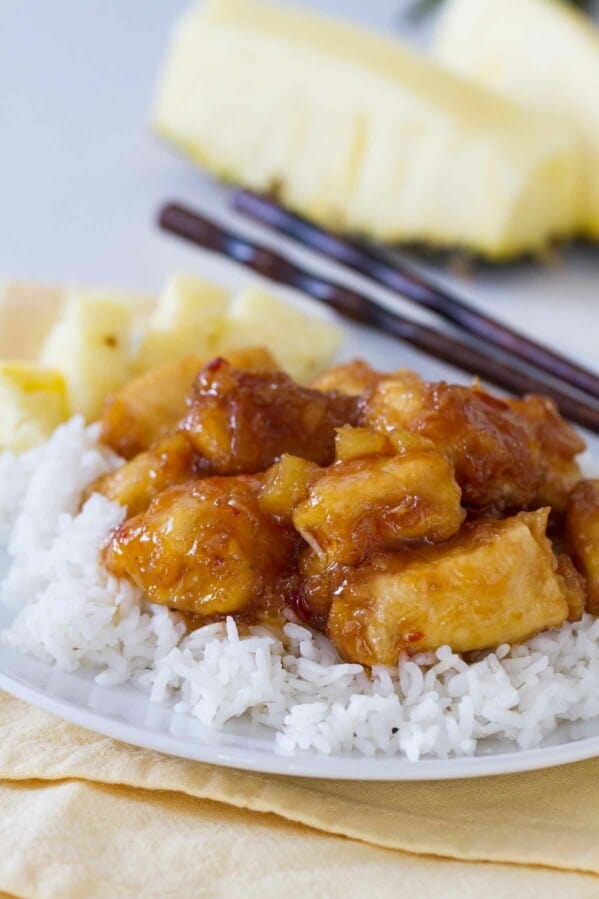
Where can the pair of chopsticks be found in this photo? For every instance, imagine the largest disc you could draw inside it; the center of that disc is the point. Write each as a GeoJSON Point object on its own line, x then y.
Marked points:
{"type": "Point", "coordinates": [494, 346]}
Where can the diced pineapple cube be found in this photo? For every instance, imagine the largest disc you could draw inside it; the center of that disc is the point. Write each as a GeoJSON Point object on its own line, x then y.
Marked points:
{"type": "Point", "coordinates": [355, 443]}
{"type": "Point", "coordinates": [303, 345]}
{"type": "Point", "coordinates": [33, 401]}
{"type": "Point", "coordinates": [188, 320]}
{"type": "Point", "coordinates": [90, 345]}
{"type": "Point", "coordinates": [286, 484]}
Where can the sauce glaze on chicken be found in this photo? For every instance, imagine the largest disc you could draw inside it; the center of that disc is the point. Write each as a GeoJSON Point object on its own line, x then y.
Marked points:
{"type": "Point", "coordinates": [393, 514]}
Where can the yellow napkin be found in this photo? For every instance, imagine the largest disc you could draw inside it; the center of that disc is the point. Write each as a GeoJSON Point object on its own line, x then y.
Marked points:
{"type": "Point", "coordinates": [84, 816]}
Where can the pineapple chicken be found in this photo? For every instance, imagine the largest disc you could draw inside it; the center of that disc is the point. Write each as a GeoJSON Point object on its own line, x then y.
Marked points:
{"type": "Point", "coordinates": [507, 455]}
{"type": "Point", "coordinates": [559, 445]}
{"type": "Point", "coordinates": [496, 582]}
{"type": "Point", "coordinates": [151, 405]}
{"type": "Point", "coordinates": [206, 547]}
{"type": "Point", "coordinates": [242, 421]}
{"type": "Point", "coordinates": [350, 509]}
{"type": "Point", "coordinates": [541, 53]}
{"type": "Point", "coordinates": [582, 535]}
{"type": "Point", "coordinates": [148, 407]}
{"type": "Point", "coordinates": [169, 462]}
{"type": "Point", "coordinates": [380, 502]}
{"type": "Point", "coordinates": [361, 134]}
{"type": "Point", "coordinates": [351, 377]}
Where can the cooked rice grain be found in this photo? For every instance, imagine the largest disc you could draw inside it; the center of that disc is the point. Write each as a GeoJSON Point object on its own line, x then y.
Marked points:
{"type": "Point", "coordinates": [71, 612]}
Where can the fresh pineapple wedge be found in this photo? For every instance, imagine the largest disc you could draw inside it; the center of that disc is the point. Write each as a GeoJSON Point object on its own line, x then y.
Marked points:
{"type": "Point", "coordinates": [187, 321]}
{"type": "Point", "coordinates": [541, 53]}
{"type": "Point", "coordinates": [90, 345]}
{"type": "Point", "coordinates": [302, 345]}
{"type": "Point", "coordinates": [361, 134]}
{"type": "Point", "coordinates": [33, 401]}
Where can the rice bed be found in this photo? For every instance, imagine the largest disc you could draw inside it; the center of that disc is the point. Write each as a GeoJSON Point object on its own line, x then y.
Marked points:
{"type": "Point", "coordinates": [69, 611]}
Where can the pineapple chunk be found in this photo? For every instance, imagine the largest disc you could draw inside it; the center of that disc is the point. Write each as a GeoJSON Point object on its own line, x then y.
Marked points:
{"type": "Point", "coordinates": [286, 484]}
{"type": "Point", "coordinates": [356, 443]}
{"type": "Point", "coordinates": [302, 345]}
{"type": "Point", "coordinates": [187, 321]}
{"type": "Point", "coordinates": [27, 312]}
{"type": "Point", "coordinates": [33, 401]}
{"type": "Point", "coordinates": [361, 134]}
{"type": "Point", "coordinates": [89, 344]}
{"type": "Point", "coordinates": [541, 53]}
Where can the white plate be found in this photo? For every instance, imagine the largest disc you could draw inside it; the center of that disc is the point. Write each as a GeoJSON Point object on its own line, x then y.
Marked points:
{"type": "Point", "coordinates": [93, 223]}
{"type": "Point", "coordinates": [126, 714]}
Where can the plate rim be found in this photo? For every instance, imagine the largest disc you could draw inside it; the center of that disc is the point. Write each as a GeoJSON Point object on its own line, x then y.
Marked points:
{"type": "Point", "coordinates": [306, 765]}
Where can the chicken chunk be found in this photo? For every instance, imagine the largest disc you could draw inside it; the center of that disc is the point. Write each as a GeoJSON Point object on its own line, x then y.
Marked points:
{"type": "Point", "coordinates": [352, 378]}
{"type": "Point", "coordinates": [170, 461]}
{"type": "Point", "coordinates": [559, 444]}
{"type": "Point", "coordinates": [207, 548]}
{"type": "Point", "coordinates": [318, 580]}
{"type": "Point", "coordinates": [243, 421]}
{"type": "Point", "coordinates": [496, 582]}
{"type": "Point", "coordinates": [575, 587]}
{"type": "Point", "coordinates": [151, 405]}
{"type": "Point", "coordinates": [365, 505]}
{"type": "Point", "coordinates": [504, 459]}
{"type": "Point", "coordinates": [582, 536]}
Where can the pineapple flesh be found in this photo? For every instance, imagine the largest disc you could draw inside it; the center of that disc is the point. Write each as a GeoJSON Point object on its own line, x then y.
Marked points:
{"type": "Point", "coordinates": [361, 134]}
{"type": "Point", "coordinates": [302, 345]}
{"type": "Point", "coordinates": [90, 346]}
{"type": "Point", "coordinates": [541, 53]}
{"type": "Point", "coordinates": [33, 401]}
{"type": "Point", "coordinates": [187, 321]}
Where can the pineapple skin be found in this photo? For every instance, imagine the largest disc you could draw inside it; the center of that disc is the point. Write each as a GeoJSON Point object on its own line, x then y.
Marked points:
{"type": "Point", "coordinates": [362, 135]}
{"type": "Point", "coordinates": [543, 54]}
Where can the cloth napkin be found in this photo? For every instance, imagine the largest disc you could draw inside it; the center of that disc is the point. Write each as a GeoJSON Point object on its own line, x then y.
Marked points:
{"type": "Point", "coordinates": [85, 816]}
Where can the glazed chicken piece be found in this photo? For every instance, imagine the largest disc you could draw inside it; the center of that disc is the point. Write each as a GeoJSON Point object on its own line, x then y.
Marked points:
{"type": "Point", "coordinates": [559, 443]}
{"type": "Point", "coordinates": [577, 593]}
{"type": "Point", "coordinates": [206, 547]}
{"type": "Point", "coordinates": [496, 582]}
{"type": "Point", "coordinates": [377, 502]}
{"type": "Point", "coordinates": [151, 405]}
{"type": "Point", "coordinates": [241, 421]}
{"type": "Point", "coordinates": [504, 460]}
{"type": "Point", "coordinates": [170, 461]}
{"type": "Point", "coordinates": [582, 536]}
{"type": "Point", "coordinates": [352, 378]}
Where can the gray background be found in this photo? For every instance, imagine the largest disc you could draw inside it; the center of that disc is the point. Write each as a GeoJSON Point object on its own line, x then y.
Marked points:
{"type": "Point", "coordinates": [81, 177]}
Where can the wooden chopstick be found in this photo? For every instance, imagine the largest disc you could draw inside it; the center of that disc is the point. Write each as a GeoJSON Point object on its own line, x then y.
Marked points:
{"type": "Point", "coordinates": [402, 279]}
{"type": "Point", "coordinates": [489, 365]}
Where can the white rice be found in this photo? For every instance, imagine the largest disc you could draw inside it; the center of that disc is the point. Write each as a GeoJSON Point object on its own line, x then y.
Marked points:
{"type": "Point", "coordinates": [71, 612]}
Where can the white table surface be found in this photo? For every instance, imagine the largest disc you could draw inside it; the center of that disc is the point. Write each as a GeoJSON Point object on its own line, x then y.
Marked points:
{"type": "Point", "coordinates": [81, 177]}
